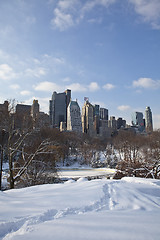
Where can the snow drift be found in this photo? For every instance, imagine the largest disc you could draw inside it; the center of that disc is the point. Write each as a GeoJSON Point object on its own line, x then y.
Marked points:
{"type": "Point", "coordinates": [100, 209]}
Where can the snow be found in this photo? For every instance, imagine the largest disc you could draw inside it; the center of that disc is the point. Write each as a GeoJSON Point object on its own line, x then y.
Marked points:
{"type": "Point", "coordinates": [103, 209]}
{"type": "Point", "coordinates": [67, 173]}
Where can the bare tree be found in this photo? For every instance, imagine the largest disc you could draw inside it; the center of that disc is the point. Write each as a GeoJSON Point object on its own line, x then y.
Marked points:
{"type": "Point", "coordinates": [151, 154]}
{"type": "Point", "coordinates": [129, 148]}
{"type": "Point", "coordinates": [25, 147]}
{"type": "Point", "coordinates": [3, 141]}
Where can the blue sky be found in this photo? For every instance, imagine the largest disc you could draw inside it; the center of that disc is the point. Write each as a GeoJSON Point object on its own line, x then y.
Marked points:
{"type": "Point", "coordinates": [107, 50]}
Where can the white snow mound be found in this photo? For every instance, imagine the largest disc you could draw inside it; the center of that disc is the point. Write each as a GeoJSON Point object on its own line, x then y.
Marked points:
{"type": "Point", "coordinates": [99, 209]}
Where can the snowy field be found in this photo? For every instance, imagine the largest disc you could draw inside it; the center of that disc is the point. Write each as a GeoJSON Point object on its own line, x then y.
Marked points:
{"type": "Point", "coordinates": [126, 209]}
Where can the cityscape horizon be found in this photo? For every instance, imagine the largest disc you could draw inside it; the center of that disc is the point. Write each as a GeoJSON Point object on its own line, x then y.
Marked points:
{"type": "Point", "coordinates": [107, 51]}
{"type": "Point", "coordinates": [63, 110]}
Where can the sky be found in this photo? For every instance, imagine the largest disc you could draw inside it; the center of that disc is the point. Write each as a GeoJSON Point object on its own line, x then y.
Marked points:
{"type": "Point", "coordinates": [106, 50]}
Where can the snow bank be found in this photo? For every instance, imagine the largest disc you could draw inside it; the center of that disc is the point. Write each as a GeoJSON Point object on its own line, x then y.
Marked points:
{"type": "Point", "coordinates": [100, 209]}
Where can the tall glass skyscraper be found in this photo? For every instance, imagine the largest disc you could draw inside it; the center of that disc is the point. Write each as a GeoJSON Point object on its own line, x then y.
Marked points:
{"type": "Point", "coordinates": [74, 117]}
{"type": "Point", "coordinates": [58, 107]}
{"type": "Point", "coordinates": [137, 120]}
{"type": "Point", "coordinates": [104, 114]}
{"type": "Point", "coordinates": [148, 120]}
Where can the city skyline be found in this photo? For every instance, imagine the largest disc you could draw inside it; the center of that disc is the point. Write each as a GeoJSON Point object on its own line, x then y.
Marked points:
{"type": "Point", "coordinates": [66, 114]}
{"type": "Point", "coordinates": [106, 50]}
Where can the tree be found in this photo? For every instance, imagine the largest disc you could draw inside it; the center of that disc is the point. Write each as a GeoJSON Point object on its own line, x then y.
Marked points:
{"type": "Point", "coordinates": [152, 154]}
{"type": "Point", "coordinates": [3, 141]}
{"type": "Point", "coordinates": [27, 149]}
{"type": "Point", "coordinates": [129, 148]}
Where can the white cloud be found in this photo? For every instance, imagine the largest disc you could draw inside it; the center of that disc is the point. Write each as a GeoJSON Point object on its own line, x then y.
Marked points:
{"type": "Point", "coordinates": [89, 5]}
{"type": "Point", "coordinates": [108, 86]}
{"type": "Point", "coordinates": [77, 87]}
{"type": "Point", "coordinates": [69, 4]}
{"type": "Point", "coordinates": [93, 86]}
{"type": "Point", "coordinates": [14, 86]}
{"type": "Point", "coordinates": [123, 108]}
{"type": "Point", "coordinates": [36, 72]}
{"type": "Point", "coordinates": [149, 10]}
{"type": "Point", "coordinates": [43, 102]}
{"type": "Point", "coordinates": [147, 83]}
{"type": "Point", "coordinates": [25, 93]}
{"type": "Point", "coordinates": [48, 87]}
{"type": "Point", "coordinates": [95, 20]}
{"type": "Point", "coordinates": [101, 104]}
{"type": "Point", "coordinates": [62, 20]}
{"type": "Point", "coordinates": [6, 72]}
{"type": "Point", "coordinates": [71, 12]}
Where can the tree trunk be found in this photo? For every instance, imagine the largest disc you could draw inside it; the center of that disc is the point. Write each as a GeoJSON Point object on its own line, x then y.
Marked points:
{"type": "Point", "coordinates": [1, 168]}
{"type": "Point", "coordinates": [11, 178]}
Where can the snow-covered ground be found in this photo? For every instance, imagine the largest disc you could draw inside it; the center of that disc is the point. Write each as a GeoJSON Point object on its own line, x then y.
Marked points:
{"type": "Point", "coordinates": [126, 209]}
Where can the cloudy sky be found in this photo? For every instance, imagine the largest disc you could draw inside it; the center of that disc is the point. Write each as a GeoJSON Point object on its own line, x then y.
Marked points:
{"type": "Point", "coordinates": [107, 50]}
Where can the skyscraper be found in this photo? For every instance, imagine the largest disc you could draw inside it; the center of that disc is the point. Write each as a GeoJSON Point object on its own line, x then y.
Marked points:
{"type": "Point", "coordinates": [87, 118]}
{"type": "Point", "coordinates": [96, 118]}
{"type": "Point", "coordinates": [35, 109]}
{"type": "Point", "coordinates": [104, 114]}
{"type": "Point", "coordinates": [74, 117]}
{"type": "Point", "coordinates": [138, 121]}
{"type": "Point", "coordinates": [58, 107]}
{"type": "Point", "coordinates": [148, 120]}
{"type": "Point", "coordinates": [121, 123]}
{"type": "Point", "coordinates": [112, 123]}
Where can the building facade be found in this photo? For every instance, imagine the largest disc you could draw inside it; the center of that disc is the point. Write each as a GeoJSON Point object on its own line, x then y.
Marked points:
{"type": "Point", "coordinates": [4, 113]}
{"type": "Point", "coordinates": [96, 118]}
{"type": "Point", "coordinates": [35, 109]}
{"type": "Point", "coordinates": [138, 121]}
{"type": "Point", "coordinates": [148, 120]}
{"type": "Point", "coordinates": [74, 117]}
{"type": "Point", "coordinates": [87, 118]}
{"type": "Point", "coordinates": [121, 123]}
{"type": "Point", "coordinates": [112, 123]}
{"type": "Point", "coordinates": [58, 107]}
{"type": "Point", "coordinates": [104, 114]}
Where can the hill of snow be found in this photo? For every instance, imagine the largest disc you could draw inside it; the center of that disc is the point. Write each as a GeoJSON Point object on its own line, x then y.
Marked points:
{"type": "Point", "coordinates": [99, 209]}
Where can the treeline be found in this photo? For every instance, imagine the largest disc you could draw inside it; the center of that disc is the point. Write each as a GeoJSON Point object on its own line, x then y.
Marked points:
{"type": "Point", "coordinates": [34, 155]}
{"type": "Point", "coordinates": [138, 155]}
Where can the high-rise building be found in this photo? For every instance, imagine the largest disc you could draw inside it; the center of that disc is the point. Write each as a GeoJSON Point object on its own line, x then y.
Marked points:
{"type": "Point", "coordinates": [96, 110]}
{"type": "Point", "coordinates": [39, 119]}
{"type": "Point", "coordinates": [23, 109]}
{"type": "Point", "coordinates": [4, 114]}
{"type": "Point", "coordinates": [87, 118]}
{"type": "Point", "coordinates": [148, 120]}
{"type": "Point", "coordinates": [121, 123]}
{"type": "Point", "coordinates": [23, 118]}
{"type": "Point", "coordinates": [138, 121]}
{"type": "Point", "coordinates": [35, 109]}
{"type": "Point", "coordinates": [74, 117]}
{"type": "Point", "coordinates": [104, 114]}
{"type": "Point", "coordinates": [96, 118]}
{"type": "Point", "coordinates": [112, 123]}
{"type": "Point", "coordinates": [58, 107]}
